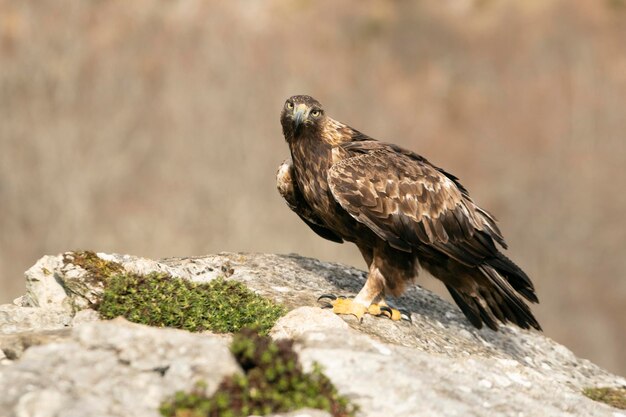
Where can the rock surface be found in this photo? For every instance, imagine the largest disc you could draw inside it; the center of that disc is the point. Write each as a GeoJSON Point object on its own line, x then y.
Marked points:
{"type": "Point", "coordinates": [111, 368]}
{"type": "Point", "coordinates": [55, 361]}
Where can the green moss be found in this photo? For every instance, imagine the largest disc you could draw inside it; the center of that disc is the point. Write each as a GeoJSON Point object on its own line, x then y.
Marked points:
{"type": "Point", "coordinates": [615, 397]}
{"type": "Point", "coordinates": [158, 299]}
{"type": "Point", "coordinates": [272, 382]}
{"type": "Point", "coordinates": [98, 269]}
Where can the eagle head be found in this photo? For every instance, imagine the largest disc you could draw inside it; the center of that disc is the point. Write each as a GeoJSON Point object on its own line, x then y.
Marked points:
{"type": "Point", "coordinates": [301, 114]}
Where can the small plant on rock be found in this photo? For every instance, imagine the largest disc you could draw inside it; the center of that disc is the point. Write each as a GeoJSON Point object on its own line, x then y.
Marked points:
{"type": "Point", "coordinates": [98, 270]}
{"type": "Point", "coordinates": [272, 381]}
{"type": "Point", "coordinates": [158, 299]}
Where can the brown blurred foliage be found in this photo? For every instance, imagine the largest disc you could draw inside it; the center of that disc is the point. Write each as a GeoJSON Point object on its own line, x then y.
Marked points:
{"type": "Point", "coordinates": [151, 127]}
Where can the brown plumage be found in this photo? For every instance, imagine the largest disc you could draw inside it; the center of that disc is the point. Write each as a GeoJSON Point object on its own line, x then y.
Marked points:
{"type": "Point", "coordinates": [402, 212]}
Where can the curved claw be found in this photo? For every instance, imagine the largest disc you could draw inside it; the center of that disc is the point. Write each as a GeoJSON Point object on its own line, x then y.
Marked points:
{"type": "Point", "coordinates": [329, 296]}
{"type": "Point", "coordinates": [405, 315]}
{"type": "Point", "coordinates": [388, 312]}
{"type": "Point", "coordinates": [327, 305]}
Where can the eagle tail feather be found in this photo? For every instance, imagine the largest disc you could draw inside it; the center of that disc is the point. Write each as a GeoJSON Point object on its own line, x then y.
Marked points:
{"type": "Point", "coordinates": [495, 301]}
{"type": "Point", "coordinates": [514, 276]}
{"type": "Point", "coordinates": [467, 306]}
{"type": "Point", "coordinates": [504, 296]}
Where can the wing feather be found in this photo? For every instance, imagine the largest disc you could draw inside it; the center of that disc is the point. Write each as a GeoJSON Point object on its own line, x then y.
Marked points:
{"type": "Point", "coordinates": [288, 189]}
{"type": "Point", "coordinates": [409, 202]}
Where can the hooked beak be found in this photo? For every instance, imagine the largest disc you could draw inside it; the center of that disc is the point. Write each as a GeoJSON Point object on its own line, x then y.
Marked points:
{"type": "Point", "coordinates": [299, 115]}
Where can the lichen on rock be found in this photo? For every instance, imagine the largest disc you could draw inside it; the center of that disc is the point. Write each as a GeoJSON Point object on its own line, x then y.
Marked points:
{"type": "Point", "coordinates": [87, 284]}
{"type": "Point", "coordinates": [98, 269]}
{"type": "Point", "coordinates": [615, 397]}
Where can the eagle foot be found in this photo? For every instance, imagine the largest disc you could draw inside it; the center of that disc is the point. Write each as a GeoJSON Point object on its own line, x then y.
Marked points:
{"type": "Point", "coordinates": [343, 305]}
{"type": "Point", "coordinates": [383, 309]}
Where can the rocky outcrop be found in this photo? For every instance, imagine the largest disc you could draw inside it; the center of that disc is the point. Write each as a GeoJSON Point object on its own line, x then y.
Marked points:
{"type": "Point", "coordinates": [58, 359]}
{"type": "Point", "coordinates": [111, 368]}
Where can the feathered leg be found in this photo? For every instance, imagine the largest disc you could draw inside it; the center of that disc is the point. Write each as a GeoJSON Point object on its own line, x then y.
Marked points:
{"type": "Point", "coordinates": [370, 298]}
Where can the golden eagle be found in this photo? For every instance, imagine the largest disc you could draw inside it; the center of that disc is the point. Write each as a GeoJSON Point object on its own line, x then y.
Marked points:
{"type": "Point", "coordinates": [403, 213]}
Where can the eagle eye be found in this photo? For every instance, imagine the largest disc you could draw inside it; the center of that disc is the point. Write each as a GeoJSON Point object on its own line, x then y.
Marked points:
{"type": "Point", "coordinates": [316, 113]}
{"type": "Point", "coordinates": [289, 105]}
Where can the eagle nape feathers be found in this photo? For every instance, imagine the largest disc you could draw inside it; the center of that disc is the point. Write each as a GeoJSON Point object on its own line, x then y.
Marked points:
{"type": "Point", "coordinates": [404, 214]}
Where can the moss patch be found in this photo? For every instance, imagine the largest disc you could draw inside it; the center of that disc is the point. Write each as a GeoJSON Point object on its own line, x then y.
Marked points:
{"type": "Point", "coordinates": [615, 397]}
{"type": "Point", "coordinates": [87, 288]}
{"type": "Point", "coordinates": [273, 381]}
{"type": "Point", "coordinates": [98, 269]}
{"type": "Point", "coordinates": [158, 299]}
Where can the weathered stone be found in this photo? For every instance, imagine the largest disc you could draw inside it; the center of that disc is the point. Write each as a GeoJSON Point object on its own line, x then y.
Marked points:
{"type": "Point", "coordinates": [307, 412]}
{"type": "Point", "coordinates": [113, 368]}
{"type": "Point", "coordinates": [14, 345]}
{"type": "Point", "coordinates": [3, 358]}
{"type": "Point", "coordinates": [386, 378]}
{"type": "Point", "coordinates": [44, 285]}
{"type": "Point", "coordinates": [85, 316]}
{"type": "Point", "coordinates": [15, 319]}
{"type": "Point", "coordinates": [438, 365]}
{"type": "Point", "coordinates": [313, 321]}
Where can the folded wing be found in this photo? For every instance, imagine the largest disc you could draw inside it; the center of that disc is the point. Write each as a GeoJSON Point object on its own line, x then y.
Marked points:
{"type": "Point", "coordinates": [288, 189]}
{"type": "Point", "coordinates": [414, 205]}
{"type": "Point", "coordinates": [407, 201]}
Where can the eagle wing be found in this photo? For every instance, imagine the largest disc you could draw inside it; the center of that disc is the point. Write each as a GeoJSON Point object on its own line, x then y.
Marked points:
{"type": "Point", "coordinates": [410, 203]}
{"type": "Point", "coordinates": [288, 189]}
{"type": "Point", "coordinates": [417, 207]}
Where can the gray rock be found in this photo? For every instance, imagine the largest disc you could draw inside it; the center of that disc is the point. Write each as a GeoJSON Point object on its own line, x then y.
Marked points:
{"type": "Point", "coordinates": [15, 319]}
{"type": "Point", "coordinates": [44, 284]}
{"type": "Point", "coordinates": [387, 378]}
{"type": "Point", "coordinates": [3, 359]}
{"type": "Point", "coordinates": [85, 316]}
{"type": "Point", "coordinates": [438, 365]}
{"type": "Point", "coordinates": [305, 412]}
{"type": "Point", "coordinates": [113, 368]}
{"type": "Point", "coordinates": [14, 345]}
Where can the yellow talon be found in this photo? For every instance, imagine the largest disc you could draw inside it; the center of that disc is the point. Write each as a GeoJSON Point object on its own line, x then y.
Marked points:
{"type": "Point", "coordinates": [385, 310]}
{"type": "Point", "coordinates": [395, 315]}
{"type": "Point", "coordinates": [348, 306]}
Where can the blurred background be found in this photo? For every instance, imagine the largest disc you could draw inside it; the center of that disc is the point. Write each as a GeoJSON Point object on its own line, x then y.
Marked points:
{"type": "Point", "coordinates": [152, 128]}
